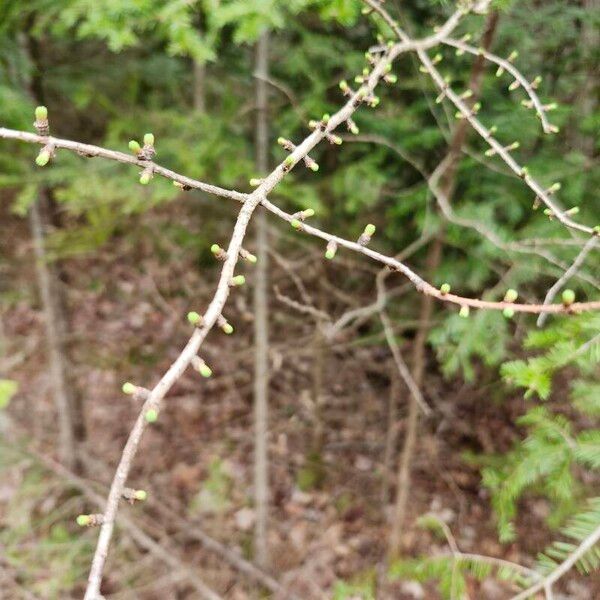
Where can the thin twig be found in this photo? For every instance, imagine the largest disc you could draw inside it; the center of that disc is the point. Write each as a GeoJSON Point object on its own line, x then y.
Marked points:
{"type": "Point", "coordinates": [570, 272]}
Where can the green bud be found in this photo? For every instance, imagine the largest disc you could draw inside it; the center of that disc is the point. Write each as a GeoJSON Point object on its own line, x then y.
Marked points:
{"type": "Point", "coordinates": [514, 85]}
{"type": "Point", "coordinates": [511, 295]}
{"type": "Point", "coordinates": [194, 318]}
{"type": "Point", "coordinates": [148, 139]}
{"type": "Point", "coordinates": [445, 288]}
{"type": "Point", "coordinates": [572, 211]}
{"type": "Point", "coordinates": [464, 311]}
{"type": "Point", "coordinates": [140, 495]}
{"type": "Point", "coordinates": [597, 229]}
{"type": "Point", "coordinates": [227, 328]}
{"type": "Point", "coordinates": [42, 158]}
{"type": "Point", "coordinates": [509, 313]}
{"type": "Point", "coordinates": [205, 370]}
{"type": "Point", "coordinates": [41, 113]}
{"type": "Point", "coordinates": [391, 78]}
{"type": "Point", "coordinates": [554, 188]}
{"type": "Point", "coordinates": [330, 253]}
{"type": "Point", "coordinates": [568, 297]}
{"type": "Point", "coordinates": [370, 229]}
{"type": "Point", "coordinates": [151, 415]}
{"type": "Point", "coordinates": [296, 224]}
{"type": "Point", "coordinates": [512, 56]}
{"type": "Point", "coordinates": [255, 182]}
{"type": "Point", "coordinates": [83, 520]}
{"type": "Point", "coordinates": [145, 178]}
{"type": "Point", "coordinates": [215, 248]}
{"type": "Point", "coordinates": [128, 388]}
{"type": "Point", "coordinates": [314, 167]}
{"type": "Point", "coordinates": [325, 118]}
{"type": "Point", "coordinates": [344, 85]}
{"type": "Point", "coordinates": [281, 141]}
{"type": "Point", "coordinates": [251, 258]}
{"type": "Point", "coordinates": [288, 162]}
{"type": "Point", "coordinates": [354, 129]}
{"type": "Point", "coordinates": [309, 212]}
{"type": "Point", "coordinates": [493, 129]}
{"type": "Point", "coordinates": [238, 280]}
{"type": "Point", "coordinates": [134, 147]}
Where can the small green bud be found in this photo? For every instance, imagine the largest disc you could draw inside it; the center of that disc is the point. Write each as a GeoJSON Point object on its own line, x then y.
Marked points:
{"type": "Point", "coordinates": [548, 212]}
{"type": "Point", "coordinates": [391, 78]}
{"type": "Point", "coordinates": [331, 250]}
{"type": "Point", "coordinates": [572, 211]}
{"type": "Point", "coordinates": [140, 495]}
{"type": "Point", "coordinates": [227, 328]}
{"type": "Point", "coordinates": [215, 248]}
{"type": "Point", "coordinates": [309, 212]}
{"type": "Point", "coordinates": [148, 139]}
{"type": "Point", "coordinates": [251, 258]}
{"type": "Point", "coordinates": [344, 86]}
{"type": "Point", "coordinates": [325, 118]}
{"type": "Point", "coordinates": [464, 311]}
{"type": "Point", "coordinates": [255, 182]}
{"type": "Point", "coordinates": [205, 370]}
{"type": "Point", "coordinates": [42, 158]}
{"type": "Point", "coordinates": [509, 313]}
{"type": "Point", "coordinates": [511, 295]}
{"type": "Point", "coordinates": [568, 297]}
{"type": "Point", "coordinates": [296, 224]}
{"type": "Point", "coordinates": [83, 520]}
{"type": "Point", "coordinates": [134, 147]}
{"type": "Point", "coordinates": [194, 318]}
{"type": "Point", "coordinates": [493, 129]}
{"type": "Point", "coordinates": [514, 85]}
{"type": "Point", "coordinates": [145, 178]}
{"type": "Point", "coordinates": [288, 162]}
{"type": "Point", "coordinates": [41, 113]}
{"type": "Point", "coordinates": [370, 229]}
{"type": "Point", "coordinates": [314, 166]}
{"type": "Point", "coordinates": [151, 415]}
{"type": "Point", "coordinates": [128, 388]}
{"type": "Point", "coordinates": [554, 188]}
{"type": "Point", "coordinates": [281, 141]}
{"type": "Point", "coordinates": [512, 56]}
{"type": "Point", "coordinates": [238, 280]}
{"type": "Point", "coordinates": [445, 288]}
{"type": "Point", "coordinates": [597, 229]}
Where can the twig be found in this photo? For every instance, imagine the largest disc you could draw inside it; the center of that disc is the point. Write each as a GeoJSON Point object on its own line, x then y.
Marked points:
{"type": "Point", "coordinates": [564, 567]}
{"type": "Point", "coordinates": [401, 365]}
{"type": "Point", "coordinates": [570, 272]}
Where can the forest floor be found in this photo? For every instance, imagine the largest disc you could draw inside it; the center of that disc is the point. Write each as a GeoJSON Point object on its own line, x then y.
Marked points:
{"type": "Point", "coordinates": [329, 516]}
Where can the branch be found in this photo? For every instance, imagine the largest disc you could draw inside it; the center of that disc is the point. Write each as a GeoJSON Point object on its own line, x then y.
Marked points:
{"type": "Point", "coordinates": [213, 313]}
{"type": "Point", "coordinates": [484, 132]}
{"type": "Point", "coordinates": [91, 151]}
{"type": "Point", "coordinates": [570, 272]}
{"type": "Point", "coordinates": [564, 567]}
{"type": "Point", "coordinates": [506, 65]}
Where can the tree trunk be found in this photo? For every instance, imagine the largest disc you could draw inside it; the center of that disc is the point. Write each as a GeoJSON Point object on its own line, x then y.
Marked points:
{"type": "Point", "coordinates": [66, 446]}
{"type": "Point", "coordinates": [261, 333]}
{"type": "Point", "coordinates": [432, 262]}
